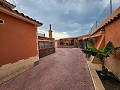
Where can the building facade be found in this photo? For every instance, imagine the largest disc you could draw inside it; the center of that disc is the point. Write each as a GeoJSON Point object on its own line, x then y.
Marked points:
{"type": "Point", "coordinates": [67, 43]}
{"type": "Point", "coordinates": [18, 41]}
{"type": "Point", "coordinates": [46, 45]}
{"type": "Point", "coordinates": [75, 42]}
{"type": "Point", "coordinates": [109, 31]}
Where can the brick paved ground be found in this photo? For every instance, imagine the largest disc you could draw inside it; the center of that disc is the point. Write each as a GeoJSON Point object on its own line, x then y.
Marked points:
{"type": "Point", "coordinates": [64, 70]}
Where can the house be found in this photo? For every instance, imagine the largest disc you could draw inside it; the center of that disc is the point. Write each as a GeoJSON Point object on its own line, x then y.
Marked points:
{"type": "Point", "coordinates": [109, 30]}
{"type": "Point", "coordinates": [67, 42]}
{"type": "Point", "coordinates": [82, 40]}
{"type": "Point", "coordinates": [46, 44]}
{"type": "Point", "coordinates": [18, 41]}
{"type": "Point", "coordinates": [73, 42]}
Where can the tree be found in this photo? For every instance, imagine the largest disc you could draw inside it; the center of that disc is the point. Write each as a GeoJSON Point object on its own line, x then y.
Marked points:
{"type": "Point", "coordinates": [101, 54]}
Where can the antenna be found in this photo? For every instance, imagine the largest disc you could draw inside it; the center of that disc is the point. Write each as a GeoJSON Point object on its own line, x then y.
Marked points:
{"type": "Point", "coordinates": [110, 6]}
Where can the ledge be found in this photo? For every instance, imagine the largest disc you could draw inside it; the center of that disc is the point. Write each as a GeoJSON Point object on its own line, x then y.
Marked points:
{"type": "Point", "coordinates": [95, 78]}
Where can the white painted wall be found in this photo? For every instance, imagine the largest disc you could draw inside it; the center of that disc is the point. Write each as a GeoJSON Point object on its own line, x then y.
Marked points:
{"type": "Point", "coordinates": [55, 44]}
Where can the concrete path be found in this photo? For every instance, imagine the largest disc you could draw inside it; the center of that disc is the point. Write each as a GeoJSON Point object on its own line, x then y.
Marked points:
{"type": "Point", "coordinates": [64, 70]}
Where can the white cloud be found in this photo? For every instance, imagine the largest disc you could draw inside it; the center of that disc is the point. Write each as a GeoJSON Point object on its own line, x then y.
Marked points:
{"type": "Point", "coordinates": [56, 35]}
{"type": "Point", "coordinates": [74, 17]}
{"type": "Point", "coordinates": [41, 31]}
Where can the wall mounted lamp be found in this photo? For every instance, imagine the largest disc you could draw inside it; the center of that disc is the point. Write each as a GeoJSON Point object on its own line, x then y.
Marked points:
{"type": "Point", "coordinates": [102, 31]}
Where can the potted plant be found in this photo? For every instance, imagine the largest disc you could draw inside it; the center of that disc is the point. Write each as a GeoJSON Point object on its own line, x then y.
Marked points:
{"type": "Point", "coordinates": [101, 54]}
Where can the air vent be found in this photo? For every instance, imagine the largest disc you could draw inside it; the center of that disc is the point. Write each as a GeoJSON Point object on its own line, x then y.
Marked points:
{"type": "Point", "coordinates": [1, 21]}
{"type": "Point", "coordinates": [36, 62]}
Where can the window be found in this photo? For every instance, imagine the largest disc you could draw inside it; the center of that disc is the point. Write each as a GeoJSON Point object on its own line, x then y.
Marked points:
{"type": "Point", "coordinates": [1, 21]}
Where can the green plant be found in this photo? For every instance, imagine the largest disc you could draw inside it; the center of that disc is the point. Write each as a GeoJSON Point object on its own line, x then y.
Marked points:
{"type": "Point", "coordinates": [101, 54]}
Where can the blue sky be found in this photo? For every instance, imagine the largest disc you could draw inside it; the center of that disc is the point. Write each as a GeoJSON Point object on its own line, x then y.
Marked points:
{"type": "Point", "coordinates": [69, 18]}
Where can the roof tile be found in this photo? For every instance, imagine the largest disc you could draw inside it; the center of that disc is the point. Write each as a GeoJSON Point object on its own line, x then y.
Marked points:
{"type": "Point", "coordinates": [18, 13]}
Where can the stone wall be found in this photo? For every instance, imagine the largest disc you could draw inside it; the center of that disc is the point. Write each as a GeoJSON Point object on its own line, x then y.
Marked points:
{"type": "Point", "coordinates": [114, 66]}
{"type": "Point", "coordinates": [11, 70]}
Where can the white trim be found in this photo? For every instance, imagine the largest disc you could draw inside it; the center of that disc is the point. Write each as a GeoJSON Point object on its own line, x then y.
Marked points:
{"type": "Point", "coordinates": [37, 43]}
{"type": "Point", "coordinates": [44, 40]}
{"type": "Point", "coordinates": [95, 36]}
{"type": "Point", "coordinates": [85, 38]}
{"type": "Point", "coordinates": [92, 36]}
{"type": "Point", "coordinates": [95, 78]}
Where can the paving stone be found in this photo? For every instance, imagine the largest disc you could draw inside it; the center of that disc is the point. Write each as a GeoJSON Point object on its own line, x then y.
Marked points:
{"type": "Point", "coordinates": [64, 70]}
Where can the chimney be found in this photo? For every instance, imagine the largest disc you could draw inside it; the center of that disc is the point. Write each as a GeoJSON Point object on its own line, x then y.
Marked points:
{"type": "Point", "coordinates": [50, 32]}
{"type": "Point", "coordinates": [44, 35]}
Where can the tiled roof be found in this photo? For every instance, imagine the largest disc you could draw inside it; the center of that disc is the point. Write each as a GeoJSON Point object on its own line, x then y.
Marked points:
{"type": "Point", "coordinates": [67, 38]}
{"type": "Point", "coordinates": [18, 13]}
{"type": "Point", "coordinates": [8, 3]}
{"type": "Point", "coordinates": [41, 35]}
{"type": "Point", "coordinates": [112, 19]}
{"type": "Point", "coordinates": [44, 38]}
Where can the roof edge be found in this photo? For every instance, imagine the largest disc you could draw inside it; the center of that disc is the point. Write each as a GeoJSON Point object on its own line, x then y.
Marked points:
{"type": "Point", "coordinates": [21, 16]}
{"type": "Point", "coordinates": [8, 4]}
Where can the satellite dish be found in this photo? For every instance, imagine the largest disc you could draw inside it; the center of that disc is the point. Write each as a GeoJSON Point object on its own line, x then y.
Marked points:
{"type": "Point", "coordinates": [1, 21]}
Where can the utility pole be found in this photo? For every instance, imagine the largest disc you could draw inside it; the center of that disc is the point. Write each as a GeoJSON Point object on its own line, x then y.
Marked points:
{"type": "Point", "coordinates": [110, 6]}
{"type": "Point", "coordinates": [96, 24]}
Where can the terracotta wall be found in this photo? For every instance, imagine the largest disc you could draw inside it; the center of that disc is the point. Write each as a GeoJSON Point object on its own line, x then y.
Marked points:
{"type": "Point", "coordinates": [65, 41]}
{"type": "Point", "coordinates": [47, 38]}
{"type": "Point", "coordinates": [101, 42]}
{"type": "Point", "coordinates": [17, 40]}
{"type": "Point", "coordinates": [112, 33]}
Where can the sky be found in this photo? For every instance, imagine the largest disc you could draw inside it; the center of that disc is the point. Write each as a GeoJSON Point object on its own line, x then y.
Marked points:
{"type": "Point", "coordinates": [69, 18]}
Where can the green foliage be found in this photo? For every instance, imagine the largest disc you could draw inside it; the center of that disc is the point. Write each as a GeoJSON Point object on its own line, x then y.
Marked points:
{"type": "Point", "coordinates": [91, 50]}
{"type": "Point", "coordinates": [101, 54]}
{"type": "Point", "coordinates": [107, 73]}
{"type": "Point", "coordinates": [110, 74]}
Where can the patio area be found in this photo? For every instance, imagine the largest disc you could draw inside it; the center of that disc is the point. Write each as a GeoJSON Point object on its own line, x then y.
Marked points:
{"type": "Point", "coordinates": [66, 69]}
